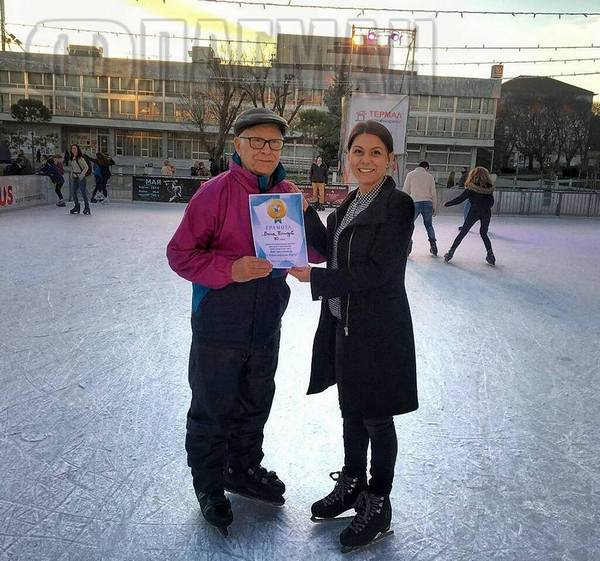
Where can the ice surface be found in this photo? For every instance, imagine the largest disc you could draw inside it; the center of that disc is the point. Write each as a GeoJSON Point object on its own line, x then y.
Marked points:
{"type": "Point", "coordinates": [501, 462]}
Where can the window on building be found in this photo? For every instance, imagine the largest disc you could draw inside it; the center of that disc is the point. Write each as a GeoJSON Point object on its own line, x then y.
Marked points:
{"type": "Point", "coordinates": [35, 79]}
{"type": "Point", "coordinates": [103, 83]}
{"type": "Point", "coordinates": [487, 129]}
{"type": "Point", "coordinates": [73, 104]}
{"type": "Point", "coordinates": [175, 87]}
{"type": "Point", "coordinates": [90, 106]}
{"type": "Point", "coordinates": [442, 103]}
{"type": "Point", "coordinates": [487, 106]}
{"type": "Point", "coordinates": [90, 83]}
{"type": "Point", "coordinates": [138, 143]}
{"type": "Point", "coordinates": [72, 81]}
{"type": "Point", "coordinates": [145, 86]}
{"type": "Point", "coordinates": [17, 78]}
{"type": "Point", "coordinates": [468, 105]}
{"type": "Point", "coordinates": [149, 110]}
{"type": "Point", "coordinates": [4, 103]}
{"type": "Point", "coordinates": [103, 106]}
{"type": "Point", "coordinates": [4, 77]}
{"type": "Point", "coordinates": [439, 126]}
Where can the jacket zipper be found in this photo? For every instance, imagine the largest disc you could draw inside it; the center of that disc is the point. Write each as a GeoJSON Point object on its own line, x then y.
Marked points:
{"type": "Point", "coordinates": [348, 302]}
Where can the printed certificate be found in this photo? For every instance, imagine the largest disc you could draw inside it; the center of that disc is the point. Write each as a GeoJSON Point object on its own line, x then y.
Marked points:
{"type": "Point", "coordinates": [278, 229]}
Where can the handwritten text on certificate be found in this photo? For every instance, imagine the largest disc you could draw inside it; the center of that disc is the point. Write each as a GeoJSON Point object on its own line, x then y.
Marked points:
{"type": "Point", "coordinates": [278, 229]}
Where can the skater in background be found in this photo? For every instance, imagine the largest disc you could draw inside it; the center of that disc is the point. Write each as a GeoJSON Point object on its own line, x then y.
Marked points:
{"type": "Point", "coordinates": [50, 169]}
{"type": "Point", "coordinates": [479, 192]}
{"type": "Point", "coordinates": [237, 305]}
{"type": "Point", "coordinates": [102, 173]}
{"type": "Point", "coordinates": [364, 341]}
{"type": "Point", "coordinates": [167, 168]}
{"type": "Point", "coordinates": [420, 185]}
{"type": "Point", "coordinates": [79, 169]}
{"type": "Point", "coordinates": [318, 179]}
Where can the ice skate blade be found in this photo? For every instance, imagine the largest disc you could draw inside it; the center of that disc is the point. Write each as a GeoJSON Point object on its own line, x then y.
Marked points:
{"type": "Point", "coordinates": [255, 498]}
{"type": "Point", "coordinates": [378, 538]}
{"type": "Point", "coordinates": [318, 520]}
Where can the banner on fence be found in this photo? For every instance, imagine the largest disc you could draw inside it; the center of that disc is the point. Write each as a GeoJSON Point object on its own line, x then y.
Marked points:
{"type": "Point", "coordinates": [20, 191]}
{"type": "Point", "coordinates": [164, 189]}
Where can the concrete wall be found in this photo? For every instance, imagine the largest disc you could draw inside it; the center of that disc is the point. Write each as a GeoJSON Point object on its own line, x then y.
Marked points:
{"type": "Point", "coordinates": [22, 191]}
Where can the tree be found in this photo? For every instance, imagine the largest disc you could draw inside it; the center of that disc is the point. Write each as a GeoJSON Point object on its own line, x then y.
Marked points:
{"type": "Point", "coordinates": [264, 91]}
{"type": "Point", "coordinates": [31, 111]}
{"type": "Point", "coordinates": [321, 129]}
{"type": "Point", "coordinates": [571, 121]}
{"type": "Point", "coordinates": [215, 102]}
{"type": "Point", "coordinates": [340, 87]}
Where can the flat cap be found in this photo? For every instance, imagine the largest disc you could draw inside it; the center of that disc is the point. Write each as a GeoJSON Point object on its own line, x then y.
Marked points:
{"type": "Point", "coordinates": [259, 116]}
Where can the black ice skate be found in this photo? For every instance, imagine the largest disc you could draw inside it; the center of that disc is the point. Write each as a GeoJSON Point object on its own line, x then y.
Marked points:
{"type": "Point", "coordinates": [76, 209]}
{"type": "Point", "coordinates": [216, 510]}
{"type": "Point", "coordinates": [449, 255]}
{"type": "Point", "coordinates": [433, 248]}
{"type": "Point", "coordinates": [371, 523]}
{"type": "Point", "coordinates": [342, 498]}
{"type": "Point", "coordinates": [256, 483]}
{"type": "Point", "coordinates": [490, 258]}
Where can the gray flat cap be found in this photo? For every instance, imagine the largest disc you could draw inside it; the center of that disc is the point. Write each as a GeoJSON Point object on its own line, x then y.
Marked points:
{"type": "Point", "coordinates": [259, 116]}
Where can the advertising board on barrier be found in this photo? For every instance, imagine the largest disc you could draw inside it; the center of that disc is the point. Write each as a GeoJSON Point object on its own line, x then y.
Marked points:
{"type": "Point", "coordinates": [334, 194]}
{"type": "Point", "coordinates": [21, 191]}
{"type": "Point", "coordinates": [164, 189]}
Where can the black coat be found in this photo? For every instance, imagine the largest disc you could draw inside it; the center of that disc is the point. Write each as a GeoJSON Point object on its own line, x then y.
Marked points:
{"type": "Point", "coordinates": [481, 203]}
{"type": "Point", "coordinates": [318, 174]}
{"type": "Point", "coordinates": [378, 370]}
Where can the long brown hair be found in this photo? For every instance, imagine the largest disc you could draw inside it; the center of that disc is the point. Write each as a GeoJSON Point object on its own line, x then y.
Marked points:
{"type": "Point", "coordinates": [478, 176]}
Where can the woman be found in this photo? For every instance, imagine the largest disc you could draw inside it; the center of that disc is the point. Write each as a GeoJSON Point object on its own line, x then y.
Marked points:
{"type": "Point", "coordinates": [79, 169]}
{"type": "Point", "coordinates": [478, 192]}
{"type": "Point", "coordinates": [50, 169]}
{"type": "Point", "coordinates": [364, 341]}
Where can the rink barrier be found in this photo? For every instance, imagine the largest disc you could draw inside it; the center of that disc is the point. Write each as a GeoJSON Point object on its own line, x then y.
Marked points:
{"type": "Point", "coordinates": [535, 202]}
{"type": "Point", "coordinates": [23, 191]}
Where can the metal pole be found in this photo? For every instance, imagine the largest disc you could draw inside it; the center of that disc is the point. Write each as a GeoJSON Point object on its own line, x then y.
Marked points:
{"type": "Point", "coordinates": [2, 22]}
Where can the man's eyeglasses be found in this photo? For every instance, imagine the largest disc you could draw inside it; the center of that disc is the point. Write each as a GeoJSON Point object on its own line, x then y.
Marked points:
{"type": "Point", "coordinates": [257, 143]}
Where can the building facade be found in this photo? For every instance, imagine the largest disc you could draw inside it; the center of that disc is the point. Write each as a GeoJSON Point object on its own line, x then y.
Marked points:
{"type": "Point", "coordinates": [133, 109]}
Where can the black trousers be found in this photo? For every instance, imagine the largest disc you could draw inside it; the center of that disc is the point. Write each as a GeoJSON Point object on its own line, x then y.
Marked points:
{"type": "Point", "coordinates": [359, 432]}
{"type": "Point", "coordinates": [100, 186]}
{"type": "Point", "coordinates": [232, 394]}
{"type": "Point", "coordinates": [470, 220]}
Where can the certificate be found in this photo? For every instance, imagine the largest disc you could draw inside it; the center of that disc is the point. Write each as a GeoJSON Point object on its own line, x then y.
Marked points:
{"type": "Point", "coordinates": [278, 229]}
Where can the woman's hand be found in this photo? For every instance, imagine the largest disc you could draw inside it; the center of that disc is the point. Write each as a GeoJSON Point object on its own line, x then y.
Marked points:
{"type": "Point", "coordinates": [295, 189]}
{"type": "Point", "coordinates": [301, 273]}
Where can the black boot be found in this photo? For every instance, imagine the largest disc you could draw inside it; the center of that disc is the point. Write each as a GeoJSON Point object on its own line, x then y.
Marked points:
{"type": "Point", "coordinates": [255, 483]}
{"type": "Point", "coordinates": [86, 209]}
{"type": "Point", "coordinates": [75, 210]}
{"type": "Point", "coordinates": [449, 255]}
{"type": "Point", "coordinates": [371, 523]}
{"type": "Point", "coordinates": [490, 258]}
{"type": "Point", "coordinates": [342, 498]}
{"type": "Point", "coordinates": [433, 248]}
{"type": "Point", "coordinates": [216, 510]}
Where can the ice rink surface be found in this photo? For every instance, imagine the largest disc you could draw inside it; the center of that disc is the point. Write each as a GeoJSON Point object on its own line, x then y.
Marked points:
{"type": "Point", "coordinates": [501, 461]}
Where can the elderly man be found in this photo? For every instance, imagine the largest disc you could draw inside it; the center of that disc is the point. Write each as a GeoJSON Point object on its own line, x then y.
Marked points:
{"type": "Point", "coordinates": [237, 304]}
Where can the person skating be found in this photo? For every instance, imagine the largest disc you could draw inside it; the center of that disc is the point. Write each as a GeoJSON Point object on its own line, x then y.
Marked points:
{"type": "Point", "coordinates": [364, 314]}
{"type": "Point", "coordinates": [318, 179]}
{"type": "Point", "coordinates": [237, 305]}
{"type": "Point", "coordinates": [50, 169]}
{"type": "Point", "coordinates": [479, 192]}
{"type": "Point", "coordinates": [102, 174]}
{"type": "Point", "coordinates": [420, 185]}
{"type": "Point", "coordinates": [79, 169]}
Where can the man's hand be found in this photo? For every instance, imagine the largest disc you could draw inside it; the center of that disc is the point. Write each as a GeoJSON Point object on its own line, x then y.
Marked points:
{"type": "Point", "coordinates": [249, 268]}
{"type": "Point", "coordinates": [301, 273]}
{"type": "Point", "coordinates": [295, 189]}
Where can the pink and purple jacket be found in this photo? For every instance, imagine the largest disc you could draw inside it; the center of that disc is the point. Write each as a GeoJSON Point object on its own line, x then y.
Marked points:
{"type": "Point", "coordinates": [215, 231]}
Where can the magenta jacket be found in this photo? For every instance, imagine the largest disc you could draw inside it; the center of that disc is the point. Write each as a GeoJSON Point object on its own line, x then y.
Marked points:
{"type": "Point", "coordinates": [215, 231]}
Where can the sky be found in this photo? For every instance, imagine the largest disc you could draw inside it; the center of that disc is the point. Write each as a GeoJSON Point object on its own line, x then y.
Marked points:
{"type": "Point", "coordinates": [203, 19]}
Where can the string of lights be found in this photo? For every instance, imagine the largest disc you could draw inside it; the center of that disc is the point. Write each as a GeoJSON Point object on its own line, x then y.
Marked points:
{"type": "Point", "coordinates": [489, 62]}
{"type": "Point", "coordinates": [133, 34]}
{"type": "Point", "coordinates": [273, 43]}
{"type": "Point", "coordinates": [362, 10]}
